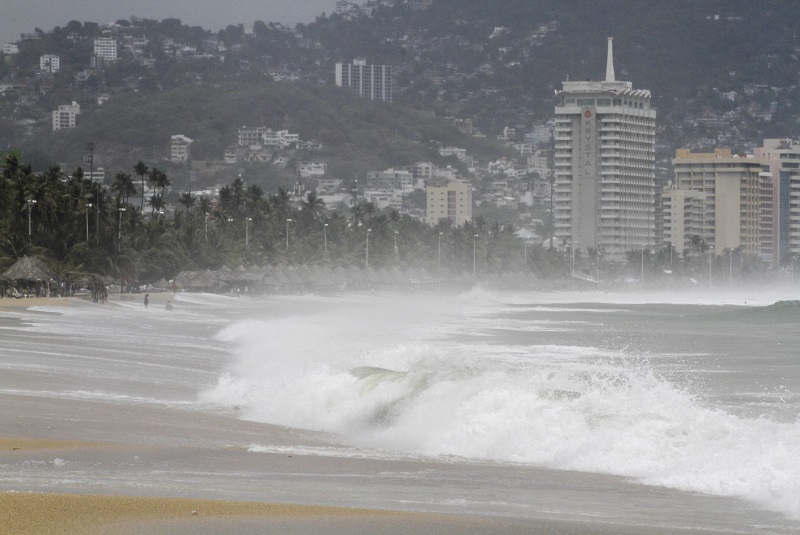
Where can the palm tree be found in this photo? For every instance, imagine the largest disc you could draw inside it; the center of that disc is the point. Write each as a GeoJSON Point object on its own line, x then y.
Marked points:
{"type": "Point", "coordinates": [188, 200]}
{"type": "Point", "coordinates": [156, 202]}
{"type": "Point", "coordinates": [123, 186]}
{"type": "Point", "coordinates": [158, 180]}
{"type": "Point", "coordinates": [141, 169]}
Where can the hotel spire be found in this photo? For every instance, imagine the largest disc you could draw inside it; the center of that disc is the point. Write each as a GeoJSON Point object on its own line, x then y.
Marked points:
{"type": "Point", "coordinates": [610, 62]}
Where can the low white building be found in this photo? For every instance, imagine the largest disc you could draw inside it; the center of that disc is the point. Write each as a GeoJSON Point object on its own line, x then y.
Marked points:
{"type": "Point", "coordinates": [9, 49]}
{"type": "Point", "coordinates": [179, 148]}
{"type": "Point", "coordinates": [49, 63]}
{"type": "Point", "coordinates": [105, 48]}
{"type": "Point", "coordinates": [312, 169]}
{"type": "Point", "coordinates": [65, 116]}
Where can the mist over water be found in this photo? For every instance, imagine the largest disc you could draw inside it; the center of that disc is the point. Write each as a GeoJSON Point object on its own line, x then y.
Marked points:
{"type": "Point", "coordinates": [535, 379]}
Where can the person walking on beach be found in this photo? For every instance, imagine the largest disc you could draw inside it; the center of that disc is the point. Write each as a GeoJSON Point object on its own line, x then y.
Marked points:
{"type": "Point", "coordinates": [146, 300]}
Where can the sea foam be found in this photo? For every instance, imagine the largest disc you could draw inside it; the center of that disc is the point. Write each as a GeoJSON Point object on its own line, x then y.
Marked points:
{"type": "Point", "coordinates": [402, 378]}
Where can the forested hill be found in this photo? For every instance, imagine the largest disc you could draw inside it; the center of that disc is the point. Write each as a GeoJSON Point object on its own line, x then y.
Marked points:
{"type": "Point", "coordinates": [722, 72]}
{"type": "Point", "coordinates": [500, 61]}
{"type": "Point", "coordinates": [355, 136]}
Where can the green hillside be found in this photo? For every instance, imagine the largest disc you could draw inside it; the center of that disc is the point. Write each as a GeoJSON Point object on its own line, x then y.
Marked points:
{"type": "Point", "coordinates": [356, 135]}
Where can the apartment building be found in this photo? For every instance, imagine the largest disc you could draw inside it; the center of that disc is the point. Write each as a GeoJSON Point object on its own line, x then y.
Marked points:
{"type": "Point", "coordinates": [105, 49]}
{"type": "Point", "coordinates": [49, 63]}
{"type": "Point", "coordinates": [732, 197]}
{"type": "Point", "coordinates": [65, 116]}
{"type": "Point", "coordinates": [781, 161]}
{"type": "Point", "coordinates": [179, 148]}
{"type": "Point", "coordinates": [372, 82]}
{"type": "Point", "coordinates": [452, 201]}
{"type": "Point", "coordinates": [683, 217]}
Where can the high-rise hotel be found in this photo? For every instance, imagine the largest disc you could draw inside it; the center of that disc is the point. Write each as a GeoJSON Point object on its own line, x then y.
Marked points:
{"type": "Point", "coordinates": [605, 165]}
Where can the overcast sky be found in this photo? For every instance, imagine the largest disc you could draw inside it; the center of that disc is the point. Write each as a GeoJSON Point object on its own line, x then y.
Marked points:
{"type": "Point", "coordinates": [18, 16]}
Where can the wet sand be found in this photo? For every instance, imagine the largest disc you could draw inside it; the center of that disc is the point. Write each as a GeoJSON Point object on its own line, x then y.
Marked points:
{"type": "Point", "coordinates": [86, 466]}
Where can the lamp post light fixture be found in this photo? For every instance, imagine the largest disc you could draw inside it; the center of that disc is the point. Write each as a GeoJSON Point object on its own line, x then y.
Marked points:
{"type": "Point", "coordinates": [474, 265]}
{"type": "Point", "coordinates": [119, 229]}
{"type": "Point", "coordinates": [366, 264]}
{"type": "Point", "coordinates": [325, 236]}
{"type": "Point", "coordinates": [287, 232]}
{"type": "Point", "coordinates": [88, 205]}
{"type": "Point", "coordinates": [30, 202]}
{"type": "Point", "coordinates": [247, 232]}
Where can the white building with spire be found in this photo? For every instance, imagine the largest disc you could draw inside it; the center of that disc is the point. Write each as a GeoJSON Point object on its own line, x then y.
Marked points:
{"type": "Point", "coordinates": [605, 164]}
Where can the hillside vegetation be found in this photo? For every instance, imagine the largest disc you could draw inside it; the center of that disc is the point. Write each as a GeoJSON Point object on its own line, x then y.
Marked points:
{"type": "Point", "coordinates": [356, 136]}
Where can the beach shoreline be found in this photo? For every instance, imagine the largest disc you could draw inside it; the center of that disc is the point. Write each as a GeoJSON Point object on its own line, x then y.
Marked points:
{"type": "Point", "coordinates": [138, 460]}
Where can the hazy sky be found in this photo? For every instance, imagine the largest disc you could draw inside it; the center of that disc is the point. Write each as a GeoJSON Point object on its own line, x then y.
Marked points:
{"type": "Point", "coordinates": [18, 16]}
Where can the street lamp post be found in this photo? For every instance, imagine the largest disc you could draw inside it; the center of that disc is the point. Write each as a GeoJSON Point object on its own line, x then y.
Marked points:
{"type": "Point", "coordinates": [89, 205]}
{"type": "Point", "coordinates": [247, 232]}
{"type": "Point", "coordinates": [525, 254]}
{"type": "Point", "coordinates": [119, 230]}
{"type": "Point", "coordinates": [396, 251]}
{"type": "Point", "coordinates": [641, 279]}
{"type": "Point", "coordinates": [30, 202]}
{"type": "Point", "coordinates": [730, 267]}
{"type": "Point", "coordinates": [439, 261]}
{"type": "Point", "coordinates": [366, 264]}
{"type": "Point", "coordinates": [207, 214]}
{"type": "Point", "coordinates": [325, 236]}
{"type": "Point", "coordinates": [572, 266]}
{"type": "Point", "coordinates": [710, 256]}
{"type": "Point", "coordinates": [287, 233]}
{"type": "Point", "coordinates": [474, 265]}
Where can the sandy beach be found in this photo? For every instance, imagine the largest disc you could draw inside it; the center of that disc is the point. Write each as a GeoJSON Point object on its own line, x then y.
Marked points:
{"type": "Point", "coordinates": [76, 459]}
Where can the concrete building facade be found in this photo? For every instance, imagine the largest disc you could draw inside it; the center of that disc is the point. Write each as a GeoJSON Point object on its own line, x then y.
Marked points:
{"type": "Point", "coordinates": [179, 148]}
{"type": "Point", "coordinates": [732, 189]}
{"type": "Point", "coordinates": [105, 49]}
{"type": "Point", "coordinates": [605, 164]}
{"type": "Point", "coordinates": [683, 217]}
{"type": "Point", "coordinates": [781, 160]}
{"type": "Point", "coordinates": [49, 63]}
{"type": "Point", "coordinates": [452, 202]}
{"type": "Point", "coordinates": [65, 116]}
{"type": "Point", "coordinates": [372, 82]}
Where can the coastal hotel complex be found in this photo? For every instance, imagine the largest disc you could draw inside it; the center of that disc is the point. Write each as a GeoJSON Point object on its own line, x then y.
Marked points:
{"type": "Point", "coordinates": [605, 165]}
{"type": "Point", "coordinates": [606, 197]}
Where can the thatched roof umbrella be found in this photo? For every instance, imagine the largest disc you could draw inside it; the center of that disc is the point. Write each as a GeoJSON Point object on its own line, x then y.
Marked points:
{"type": "Point", "coordinates": [29, 268]}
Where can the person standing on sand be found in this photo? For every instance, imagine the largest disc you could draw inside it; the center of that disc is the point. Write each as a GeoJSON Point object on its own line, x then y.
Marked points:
{"type": "Point", "coordinates": [146, 300]}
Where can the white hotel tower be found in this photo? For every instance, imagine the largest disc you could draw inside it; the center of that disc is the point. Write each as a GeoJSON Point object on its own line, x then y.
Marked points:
{"type": "Point", "coordinates": [605, 165]}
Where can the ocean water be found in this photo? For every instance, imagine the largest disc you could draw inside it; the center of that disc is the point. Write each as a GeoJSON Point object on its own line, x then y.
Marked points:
{"type": "Point", "coordinates": [696, 393]}
{"type": "Point", "coordinates": [691, 392]}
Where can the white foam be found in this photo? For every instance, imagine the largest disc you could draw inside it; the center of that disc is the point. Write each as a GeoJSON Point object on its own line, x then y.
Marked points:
{"type": "Point", "coordinates": [383, 378]}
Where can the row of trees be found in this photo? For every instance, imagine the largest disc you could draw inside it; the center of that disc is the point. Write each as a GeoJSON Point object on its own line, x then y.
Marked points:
{"type": "Point", "coordinates": [80, 225]}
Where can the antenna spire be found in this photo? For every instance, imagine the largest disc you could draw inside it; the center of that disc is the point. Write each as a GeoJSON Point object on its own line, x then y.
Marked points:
{"type": "Point", "coordinates": [610, 62]}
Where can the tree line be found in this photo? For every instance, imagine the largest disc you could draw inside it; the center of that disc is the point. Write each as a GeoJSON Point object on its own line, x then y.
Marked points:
{"type": "Point", "coordinates": [126, 231]}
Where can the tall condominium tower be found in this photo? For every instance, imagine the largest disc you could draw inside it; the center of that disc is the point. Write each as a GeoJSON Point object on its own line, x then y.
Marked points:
{"type": "Point", "coordinates": [781, 157]}
{"type": "Point", "coordinates": [605, 164]}
{"type": "Point", "coordinates": [732, 196]}
{"type": "Point", "coordinates": [372, 82]}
